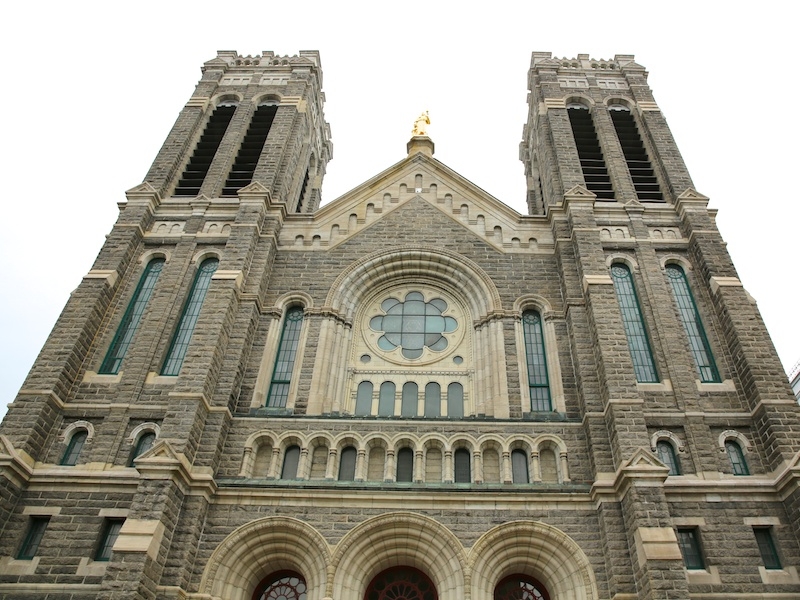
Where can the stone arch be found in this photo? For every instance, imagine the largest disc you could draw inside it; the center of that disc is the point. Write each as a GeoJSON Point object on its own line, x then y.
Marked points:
{"type": "Point", "coordinates": [261, 547]}
{"type": "Point", "coordinates": [535, 549]}
{"type": "Point", "coordinates": [398, 539]}
{"type": "Point", "coordinates": [676, 259]}
{"type": "Point", "coordinates": [625, 259]}
{"type": "Point", "coordinates": [74, 428]}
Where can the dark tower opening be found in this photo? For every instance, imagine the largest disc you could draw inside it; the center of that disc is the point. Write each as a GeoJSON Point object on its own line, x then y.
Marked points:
{"type": "Point", "coordinates": [595, 172]}
{"type": "Point", "coordinates": [241, 173]}
{"type": "Point", "coordinates": [196, 170]}
{"type": "Point", "coordinates": [644, 179]}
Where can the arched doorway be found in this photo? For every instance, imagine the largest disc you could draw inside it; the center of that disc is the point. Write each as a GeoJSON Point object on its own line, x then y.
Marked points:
{"type": "Point", "coordinates": [401, 583]}
{"type": "Point", "coordinates": [520, 587]}
{"type": "Point", "coordinates": [283, 585]}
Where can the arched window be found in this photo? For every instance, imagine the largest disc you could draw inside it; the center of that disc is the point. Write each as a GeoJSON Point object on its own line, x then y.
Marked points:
{"type": "Point", "coordinates": [666, 454]}
{"type": "Point", "coordinates": [283, 585]}
{"type": "Point", "coordinates": [638, 343]}
{"type": "Point", "coordinates": [406, 583]}
{"type": "Point", "coordinates": [433, 400]}
{"type": "Point", "coordinates": [386, 399]}
{"type": "Point", "coordinates": [536, 361]}
{"type": "Point", "coordinates": [520, 587]}
{"type": "Point", "coordinates": [189, 316]}
{"type": "Point", "coordinates": [736, 456]}
{"type": "Point", "coordinates": [455, 400]}
{"type": "Point", "coordinates": [364, 399]}
{"type": "Point", "coordinates": [74, 448]}
{"type": "Point", "coordinates": [291, 459]}
{"type": "Point", "coordinates": [143, 444]}
{"type": "Point", "coordinates": [132, 317]}
{"type": "Point", "coordinates": [462, 468]}
{"type": "Point", "coordinates": [690, 317]}
{"type": "Point", "coordinates": [519, 467]}
{"type": "Point", "coordinates": [284, 362]}
{"type": "Point", "coordinates": [347, 464]}
{"type": "Point", "coordinates": [408, 407]}
{"type": "Point", "coordinates": [405, 465]}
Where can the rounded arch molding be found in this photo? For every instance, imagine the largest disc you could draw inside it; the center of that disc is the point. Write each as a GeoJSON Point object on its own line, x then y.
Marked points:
{"type": "Point", "coordinates": [460, 274]}
{"type": "Point", "coordinates": [398, 539]}
{"type": "Point", "coordinates": [535, 549]}
{"type": "Point", "coordinates": [259, 548]}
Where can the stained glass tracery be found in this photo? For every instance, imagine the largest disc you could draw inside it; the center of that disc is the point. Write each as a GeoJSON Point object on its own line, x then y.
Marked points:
{"type": "Point", "coordinates": [282, 586]}
{"type": "Point", "coordinates": [401, 583]}
{"type": "Point", "coordinates": [413, 325]}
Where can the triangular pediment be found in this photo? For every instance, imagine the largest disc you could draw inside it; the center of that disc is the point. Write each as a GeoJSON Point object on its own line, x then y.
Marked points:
{"type": "Point", "coordinates": [692, 194]}
{"type": "Point", "coordinates": [418, 178]}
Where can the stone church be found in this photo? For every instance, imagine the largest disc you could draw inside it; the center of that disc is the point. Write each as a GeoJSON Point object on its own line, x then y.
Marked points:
{"type": "Point", "coordinates": [413, 392]}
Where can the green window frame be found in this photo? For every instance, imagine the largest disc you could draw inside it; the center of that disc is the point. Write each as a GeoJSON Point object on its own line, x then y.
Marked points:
{"type": "Point", "coordinates": [143, 444]}
{"type": "Point", "coordinates": [766, 546]}
{"type": "Point", "coordinates": [278, 394]}
{"type": "Point", "coordinates": [33, 538]}
{"type": "Point", "coordinates": [666, 454]}
{"type": "Point", "coordinates": [132, 318]}
{"type": "Point", "coordinates": [689, 542]}
{"type": "Point", "coordinates": [109, 535]}
{"type": "Point", "coordinates": [736, 456]}
{"type": "Point", "coordinates": [189, 316]}
{"type": "Point", "coordinates": [536, 362]}
{"type": "Point", "coordinates": [644, 365]}
{"type": "Point", "coordinates": [690, 317]}
{"type": "Point", "coordinates": [73, 451]}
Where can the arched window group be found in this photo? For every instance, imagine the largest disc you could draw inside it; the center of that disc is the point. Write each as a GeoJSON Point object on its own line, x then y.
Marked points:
{"type": "Point", "coordinates": [412, 403]}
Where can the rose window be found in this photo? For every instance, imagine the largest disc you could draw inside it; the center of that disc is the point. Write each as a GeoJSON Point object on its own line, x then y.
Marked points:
{"type": "Point", "coordinates": [413, 325]}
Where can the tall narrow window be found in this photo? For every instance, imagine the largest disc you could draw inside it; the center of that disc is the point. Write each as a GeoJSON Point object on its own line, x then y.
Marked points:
{"type": "Point", "coordinates": [33, 538]}
{"type": "Point", "coordinates": [347, 464]}
{"type": "Point", "coordinates": [455, 400]}
{"type": "Point", "coordinates": [291, 459]}
{"type": "Point", "coordinates": [642, 174]}
{"type": "Point", "coordinates": [284, 363]}
{"type": "Point", "coordinates": [766, 546]}
{"type": "Point", "coordinates": [131, 318]}
{"type": "Point", "coordinates": [109, 535]}
{"type": "Point", "coordinates": [408, 406]}
{"type": "Point", "coordinates": [666, 454]}
{"type": "Point", "coordinates": [538, 383]}
{"type": "Point", "coordinates": [433, 399]}
{"type": "Point", "coordinates": [736, 456]}
{"type": "Point", "coordinates": [405, 465]}
{"type": "Point", "coordinates": [244, 167]}
{"type": "Point", "coordinates": [386, 399]}
{"type": "Point", "coordinates": [364, 399]}
{"type": "Point", "coordinates": [196, 170]}
{"type": "Point", "coordinates": [73, 451]}
{"type": "Point", "coordinates": [189, 316]}
{"type": "Point", "coordinates": [593, 165]}
{"type": "Point", "coordinates": [462, 468]}
{"type": "Point", "coordinates": [639, 345]}
{"type": "Point", "coordinates": [143, 444]}
{"type": "Point", "coordinates": [690, 317]}
{"type": "Point", "coordinates": [689, 541]}
{"type": "Point", "coordinates": [519, 466]}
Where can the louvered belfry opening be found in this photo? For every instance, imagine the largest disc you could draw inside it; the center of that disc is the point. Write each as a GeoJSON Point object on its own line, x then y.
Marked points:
{"type": "Point", "coordinates": [302, 198]}
{"type": "Point", "coordinates": [595, 173]}
{"type": "Point", "coordinates": [192, 178]}
{"type": "Point", "coordinates": [244, 166]}
{"type": "Point", "coordinates": [644, 179]}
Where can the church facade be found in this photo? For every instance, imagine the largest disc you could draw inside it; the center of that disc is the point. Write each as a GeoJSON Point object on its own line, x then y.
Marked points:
{"type": "Point", "coordinates": [413, 392]}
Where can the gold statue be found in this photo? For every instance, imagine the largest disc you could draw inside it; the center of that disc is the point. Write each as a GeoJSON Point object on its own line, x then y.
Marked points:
{"type": "Point", "coordinates": [420, 124]}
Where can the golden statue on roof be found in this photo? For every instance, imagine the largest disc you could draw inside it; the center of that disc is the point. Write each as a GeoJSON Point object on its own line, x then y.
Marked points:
{"type": "Point", "coordinates": [420, 125]}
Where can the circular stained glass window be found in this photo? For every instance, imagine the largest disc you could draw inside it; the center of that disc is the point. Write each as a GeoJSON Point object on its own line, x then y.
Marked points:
{"type": "Point", "coordinates": [285, 585]}
{"type": "Point", "coordinates": [520, 587]}
{"type": "Point", "coordinates": [401, 583]}
{"type": "Point", "coordinates": [413, 325]}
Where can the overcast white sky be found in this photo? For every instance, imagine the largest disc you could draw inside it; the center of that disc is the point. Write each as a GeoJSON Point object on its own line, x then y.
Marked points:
{"type": "Point", "coordinates": [92, 89]}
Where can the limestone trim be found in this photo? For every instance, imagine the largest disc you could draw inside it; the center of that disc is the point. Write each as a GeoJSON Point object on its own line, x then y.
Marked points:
{"type": "Point", "coordinates": [261, 547]}
{"type": "Point", "coordinates": [676, 259]}
{"type": "Point", "coordinates": [141, 430]}
{"type": "Point", "coordinates": [101, 378]}
{"type": "Point", "coordinates": [149, 255]}
{"type": "Point", "coordinates": [731, 434]}
{"type": "Point", "coordinates": [532, 548]}
{"type": "Point", "coordinates": [398, 539]}
{"type": "Point", "coordinates": [720, 282]}
{"type": "Point", "coordinates": [73, 428]}
{"type": "Point", "coordinates": [110, 276]}
{"type": "Point", "coordinates": [626, 259]}
{"type": "Point", "coordinates": [202, 255]}
{"type": "Point", "coordinates": [664, 434]}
